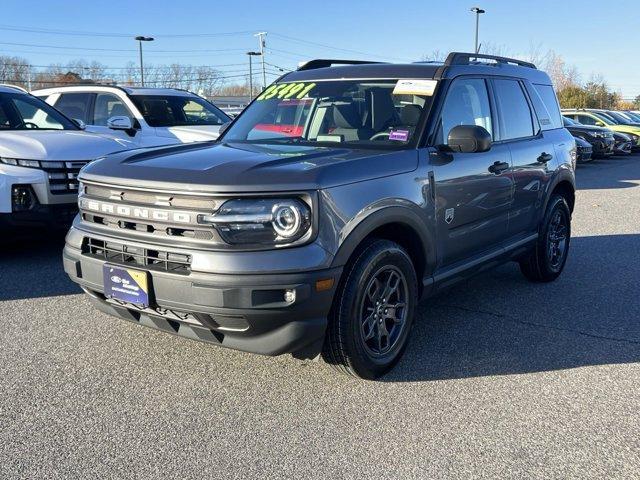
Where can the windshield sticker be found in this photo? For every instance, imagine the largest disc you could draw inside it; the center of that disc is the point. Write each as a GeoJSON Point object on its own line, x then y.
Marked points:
{"type": "Point", "coordinates": [415, 87]}
{"type": "Point", "coordinates": [287, 90]}
{"type": "Point", "coordinates": [399, 135]}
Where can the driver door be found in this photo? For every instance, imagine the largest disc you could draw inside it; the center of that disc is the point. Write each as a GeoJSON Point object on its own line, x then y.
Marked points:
{"type": "Point", "coordinates": [473, 191]}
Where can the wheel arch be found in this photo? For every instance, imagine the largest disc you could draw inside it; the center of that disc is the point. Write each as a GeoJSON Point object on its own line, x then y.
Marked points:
{"type": "Point", "coordinates": [400, 225]}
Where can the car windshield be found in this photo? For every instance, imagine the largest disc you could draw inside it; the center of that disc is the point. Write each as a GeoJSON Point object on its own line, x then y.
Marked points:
{"type": "Point", "coordinates": [19, 111]}
{"type": "Point", "coordinates": [608, 119]}
{"type": "Point", "coordinates": [356, 113]}
{"type": "Point", "coordinates": [178, 110]}
{"type": "Point", "coordinates": [621, 119]}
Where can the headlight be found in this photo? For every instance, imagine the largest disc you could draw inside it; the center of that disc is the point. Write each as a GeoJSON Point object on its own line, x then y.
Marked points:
{"type": "Point", "coordinates": [599, 134]}
{"type": "Point", "coordinates": [275, 221]}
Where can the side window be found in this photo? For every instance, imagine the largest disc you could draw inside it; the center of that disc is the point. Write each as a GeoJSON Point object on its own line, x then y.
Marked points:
{"type": "Point", "coordinates": [467, 103]}
{"type": "Point", "coordinates": [550, 101]}
{"type": "Point", "coordinates": [109, 105]}
{"type": "Point", "coordinates": [585, 119]}
{"type": "Point", "coordinates": [513, 110]}
{"type": "Point", "coordinates": [75, 105]}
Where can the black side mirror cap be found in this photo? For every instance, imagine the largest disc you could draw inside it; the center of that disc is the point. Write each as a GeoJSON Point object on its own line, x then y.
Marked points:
{"type": "Point", "coordinates": [469, 139]}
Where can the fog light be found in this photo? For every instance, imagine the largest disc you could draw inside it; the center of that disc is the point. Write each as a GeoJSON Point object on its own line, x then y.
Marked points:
{"type": "Point", "coordinates": [289, 296]}
{"type": "Point", "coordinates": [22, 198]}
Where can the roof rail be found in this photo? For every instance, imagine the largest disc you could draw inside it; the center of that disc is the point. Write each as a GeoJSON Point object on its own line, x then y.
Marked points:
{"type": "Point", "coordinates": [322, 63]}
{"type": "Point", "coordinates": [8, 85]}
{"type": "Point", "coordinates": [461, 58]}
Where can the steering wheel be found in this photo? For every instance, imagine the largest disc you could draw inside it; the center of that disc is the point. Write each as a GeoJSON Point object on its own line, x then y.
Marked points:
{"type": "Point", "coordinates": [380, 135]}
{"type": "Point", "coordinates": [30, 125]}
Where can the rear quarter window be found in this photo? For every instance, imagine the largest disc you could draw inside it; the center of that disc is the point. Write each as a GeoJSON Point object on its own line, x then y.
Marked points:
{"type": "Point", "coordinates": [550, 103]}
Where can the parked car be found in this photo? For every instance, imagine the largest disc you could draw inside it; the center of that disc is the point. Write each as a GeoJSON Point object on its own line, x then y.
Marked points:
{"type": "Point", "coordinates": [144, 116]}
{"type": "Point", "coordinates": [601, 139]}
{"type": "Point", "coordinates": [404, 180]}
{"type": "Point", "coordinates": [584, 150]}
{"type": "Point", "coordinates": [623, 144]}
{"type": "Point", "coordinates": [41, 153]}
{"type": "Point", "coordinates": [631, 116]}
{"type": "Point", "coordinates": [600, 118]}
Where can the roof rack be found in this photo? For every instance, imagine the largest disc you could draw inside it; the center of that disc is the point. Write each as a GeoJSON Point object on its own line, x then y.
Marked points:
{"type": "Point", "coordinates": [323, 63]}
{"type": "Point", "coordinates": [461, 58]}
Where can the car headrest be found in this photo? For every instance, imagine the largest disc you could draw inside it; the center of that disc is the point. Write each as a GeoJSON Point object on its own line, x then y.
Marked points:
{"type": "Point", "coordinates": [410, 114]}
{"type": "Point", "coordinates": [345, 116]}
{"type": "Point", "coordinates": [119, 110]}
{"type": "Point", "coordinates": [383, 111]}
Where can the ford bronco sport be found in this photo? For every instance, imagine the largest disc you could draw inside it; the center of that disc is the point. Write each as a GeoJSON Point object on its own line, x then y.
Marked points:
{"type": "Point", "coordinates": [381, 185]}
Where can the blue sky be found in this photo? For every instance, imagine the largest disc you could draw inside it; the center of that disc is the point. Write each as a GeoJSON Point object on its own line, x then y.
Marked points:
{"type": "Point", "coordinates": [593, 35]}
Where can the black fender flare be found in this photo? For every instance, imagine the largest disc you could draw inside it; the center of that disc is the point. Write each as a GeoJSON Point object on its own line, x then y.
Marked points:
{"type": "Point", "coordinates": [565, 174]}
{"type": "Point", "coordinates": [384, 216]}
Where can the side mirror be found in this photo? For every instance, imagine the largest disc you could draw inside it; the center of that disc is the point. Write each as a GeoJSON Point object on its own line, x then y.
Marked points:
{"type": "Point", "coordinates": [80, 123]}
{"type": "Point", "coordinates": [469, 139]}
{"type": "Point", "coordinates": [119, 123]}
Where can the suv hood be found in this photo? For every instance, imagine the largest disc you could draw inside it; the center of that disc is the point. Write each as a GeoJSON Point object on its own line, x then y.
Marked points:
{"type": "Point", "coordinates": [196, 133]}
{"type": "Point", "coordinates": [234, 167]}
{"type": "Point", "coordinates": [58, 145]}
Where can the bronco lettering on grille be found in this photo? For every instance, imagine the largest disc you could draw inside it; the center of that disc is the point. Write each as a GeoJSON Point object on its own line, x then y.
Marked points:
{"type": "Point", "coordinates": [135, 212]}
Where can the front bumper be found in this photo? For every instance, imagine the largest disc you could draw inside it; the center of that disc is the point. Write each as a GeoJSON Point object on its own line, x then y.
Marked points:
{"type": "Point", "coordinates": [603, 147]}
{"type": "Point", "coordinates": [53, 217]}
{"type": "Point", "coordinates": [245, 312]}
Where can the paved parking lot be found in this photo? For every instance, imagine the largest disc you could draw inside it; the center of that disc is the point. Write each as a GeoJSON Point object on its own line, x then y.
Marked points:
{"type": "Point", "coordinates": [502, 378]}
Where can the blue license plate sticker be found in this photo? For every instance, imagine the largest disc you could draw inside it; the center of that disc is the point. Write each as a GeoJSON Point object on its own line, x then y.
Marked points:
{"type": "Point", "coordinates": [126, 284]}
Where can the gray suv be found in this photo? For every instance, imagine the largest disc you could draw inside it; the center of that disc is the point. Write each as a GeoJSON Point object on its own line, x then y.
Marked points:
{"type": "Point", "coordinates": [345, 193]}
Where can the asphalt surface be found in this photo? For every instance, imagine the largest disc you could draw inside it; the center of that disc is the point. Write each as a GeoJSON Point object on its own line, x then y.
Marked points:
{"type": "Point", "coordinates": [502, 378]}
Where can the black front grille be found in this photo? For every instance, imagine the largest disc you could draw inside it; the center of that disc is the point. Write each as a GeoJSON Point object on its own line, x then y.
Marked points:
{"type": "Point", "coordinates": [63, 176]}
{"type": "Point", "coordinates": [137, 256]}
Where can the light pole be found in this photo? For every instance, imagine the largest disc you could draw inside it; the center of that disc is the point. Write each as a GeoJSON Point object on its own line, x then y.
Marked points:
{"type": "Point", "coordinates": [477, 11]}
{"type": "Point", "coordinates": [263, 44]}
{"type": "Point", "coordinates": [141, 39]}
{"type": "Point", "coordinates": [251, 54]}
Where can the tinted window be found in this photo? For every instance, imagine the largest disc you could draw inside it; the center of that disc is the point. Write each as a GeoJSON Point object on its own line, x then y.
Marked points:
{"type": "Point", "coordinates": [467, 103]}
{"type": "Point", "coordinates": [585, 119]}
{"type": "Point", "coordinates": [170, 111]}
{"type": "Point", "coordinates": [109, 105]}
{"type": "Point", "coordinates": [550, 102]}
{"type": "Point", "coordinates": [513, 110]}
{"type": "Point", "coordinates": [75, 105]}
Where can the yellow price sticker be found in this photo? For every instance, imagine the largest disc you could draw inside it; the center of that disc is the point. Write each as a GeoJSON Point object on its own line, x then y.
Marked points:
{"type": "Point", "coordinates": [287, 90]}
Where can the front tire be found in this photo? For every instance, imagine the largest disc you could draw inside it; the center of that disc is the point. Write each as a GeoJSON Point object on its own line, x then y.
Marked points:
{"type": "Point", "coordinates": [549, 257]}
{"type": "Point", "coordinates": [373, 311]}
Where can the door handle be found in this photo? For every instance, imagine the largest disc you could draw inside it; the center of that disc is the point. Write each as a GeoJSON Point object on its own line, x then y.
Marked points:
{"type": "Point", "coordinates": [498, 167]}
{"type": "Point", "coordinates": [544, 157]}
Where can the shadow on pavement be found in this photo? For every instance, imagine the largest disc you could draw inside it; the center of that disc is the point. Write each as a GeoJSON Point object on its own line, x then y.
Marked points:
{"type": "Point", "coordinates": [500, 324]}
{"type": "Point", "coordinates": [31, 267]}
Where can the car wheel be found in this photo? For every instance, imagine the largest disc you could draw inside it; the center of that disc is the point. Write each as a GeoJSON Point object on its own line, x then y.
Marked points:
{"type": "Point", "coordinates": [547, 260]}
{"type": "Point", "coordinates": [373, 311]}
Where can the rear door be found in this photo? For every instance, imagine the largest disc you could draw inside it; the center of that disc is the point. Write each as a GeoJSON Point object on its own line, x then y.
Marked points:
{"type": "Point", "coordinates": [473, 190]}
{"type": "Point", "coordinates": [531, 153]}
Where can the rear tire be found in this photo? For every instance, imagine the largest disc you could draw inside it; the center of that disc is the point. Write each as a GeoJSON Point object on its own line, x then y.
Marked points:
{"type": "Point", "coordinates": [547, 260]}
{"type": "Point", "coordinates": [372, 312]}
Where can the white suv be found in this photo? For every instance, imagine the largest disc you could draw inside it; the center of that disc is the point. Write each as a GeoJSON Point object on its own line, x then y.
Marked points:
{"type": "Point", "coordinates": [41, 153]}
{"type": "Point", "coordinates": [146, 116]}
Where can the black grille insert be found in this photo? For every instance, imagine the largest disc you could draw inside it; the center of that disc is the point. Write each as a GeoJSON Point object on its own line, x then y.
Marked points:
{"type": "Point", "coordinates": [137, 256]}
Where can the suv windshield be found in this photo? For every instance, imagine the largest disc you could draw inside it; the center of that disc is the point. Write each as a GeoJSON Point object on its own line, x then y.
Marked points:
{"type": "Point", "coordinates": [20, 111]}
{"type": "Point", "coordinates": [358, 113]}
{"type": "Point", "coordinates": [177, 110]}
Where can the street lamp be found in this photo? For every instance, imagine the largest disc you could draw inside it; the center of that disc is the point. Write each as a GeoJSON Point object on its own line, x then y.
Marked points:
{"type": "Point", "coordinates": [141, 39]}
{"type": "Point", "coordinates": [252, 54]}
{"type": "Point", "coordinates": [478, 11]}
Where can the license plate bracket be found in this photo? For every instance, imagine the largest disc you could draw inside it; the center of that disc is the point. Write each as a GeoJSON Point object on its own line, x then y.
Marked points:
{"type": "Point", "coordinates": [128, 285]}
